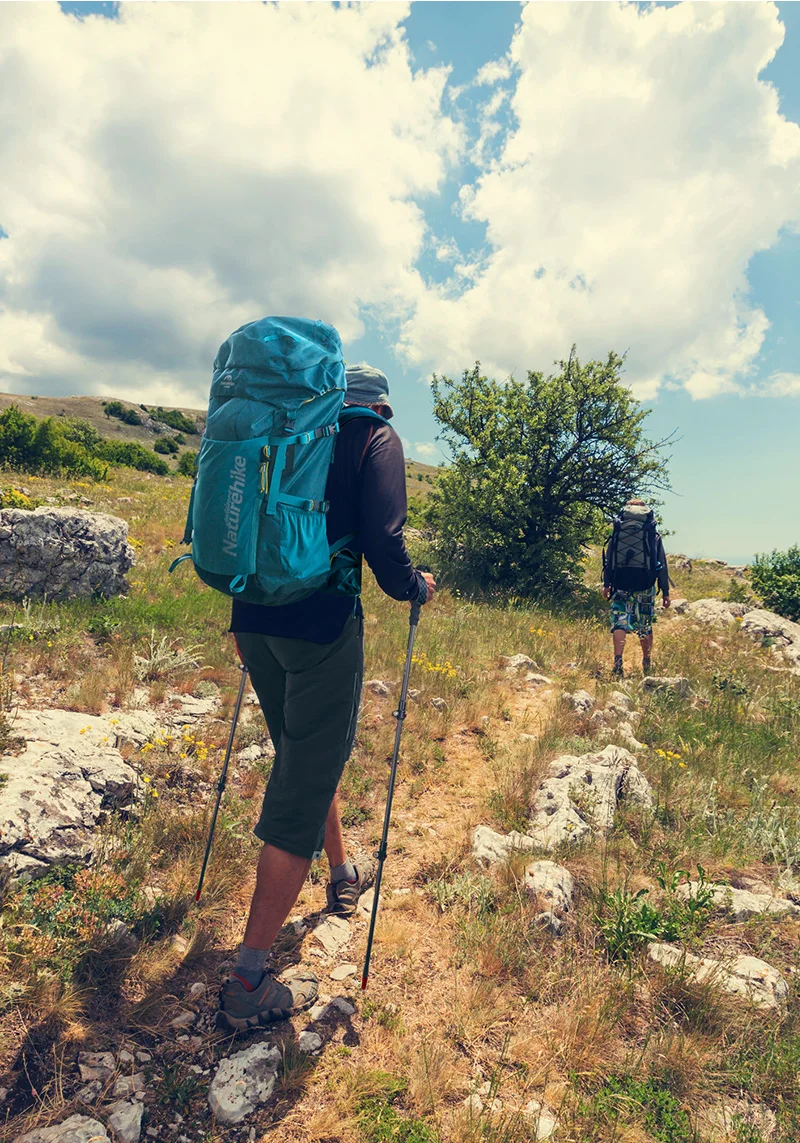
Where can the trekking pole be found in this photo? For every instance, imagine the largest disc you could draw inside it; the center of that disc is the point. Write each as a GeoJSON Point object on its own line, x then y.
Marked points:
{"type": "Point", "coordinates": [222, 779]}
{"type": "Point", "coordinates": [400, 715]}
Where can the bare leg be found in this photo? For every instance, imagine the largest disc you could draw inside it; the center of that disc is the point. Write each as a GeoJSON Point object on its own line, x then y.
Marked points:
{"type": "Point", "coordinates": [334, 842]}
{"type": "Point", "coordinates": [619, 641]}
{"type": "Point", "coordinates": [279, 879]}
{"type": "Point", "coordinates": [647, 645]}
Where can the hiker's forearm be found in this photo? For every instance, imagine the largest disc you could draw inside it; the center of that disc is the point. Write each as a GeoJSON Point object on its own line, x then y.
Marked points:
{"type": "Point", "coordinates": [382, 514]}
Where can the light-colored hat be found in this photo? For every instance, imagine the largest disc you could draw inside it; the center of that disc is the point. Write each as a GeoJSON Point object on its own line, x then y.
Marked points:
{"type": "Point", "coordinates": [367, 385]}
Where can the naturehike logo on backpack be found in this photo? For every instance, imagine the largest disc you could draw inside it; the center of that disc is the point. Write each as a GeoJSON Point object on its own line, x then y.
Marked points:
{"type": "Point", "coordinates": [233, 511]}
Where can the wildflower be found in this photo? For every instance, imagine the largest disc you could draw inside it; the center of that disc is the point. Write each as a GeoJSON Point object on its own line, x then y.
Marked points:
{"type": "Point", "coordinates": [154, 792]}
{"type": "Point", "coordinates": [146, 779]}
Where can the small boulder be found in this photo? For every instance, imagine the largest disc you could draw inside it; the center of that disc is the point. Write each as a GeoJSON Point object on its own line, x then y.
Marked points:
{"type": "Point", "coordinates": [742, 904]}
{"type": "Point", "coordinates": [717, 612]}
{"type": "Point", "coordinates": [549, 921]}
{"type": "Point", "coordinates": [242, 1082]}
{"type": "Point", "coordinates": [96, 1066]}
{"type": "Point", "coordinates": [309, 1042]}
{"type": "Point", "coordinates": [76, 1129]}
{"type": "Point", "coordinates": [439, 704]}
{"type": "Point", "coordinates": [128, 1085]}
{"type": "Point", "coordinates": [747, 977]}
{"type": "Point", "coordinates": [125, 1120]}
{"type": "Point", "coordinates": [536, 680]}
{"type": "Point", "coordinates": [674, 684]}
{"type": "Point", "coordinates": [581, 701]}
{"type": "Point", "coordinates": [333, 933]}
{"type": "Point", "coordinates": [378, 687]}
{"type": "Point", "coordinates": [514, 663]}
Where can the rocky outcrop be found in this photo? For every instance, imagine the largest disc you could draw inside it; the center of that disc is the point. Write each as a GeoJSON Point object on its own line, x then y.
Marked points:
{"type": "Point", "coordinates": [63, 553]}
{"type": "Point", "coordinates": [781, 633]}
{"type": "Point", "coordinates": [674, 684]}
{"type": "Point", "coordinates": [717, 612]}
{"type": "Point", "coordinates": [490, 846]}
{"type": "Point", "coordinates": [580, 701]}
{"type": "Point", "coordinates": [69, 773]}
{"type": "Point", "coordinates": [747, 977]}
{"type": "Point", "coordinates": [551, 883]}
{"type": "Point", "coordinates": [581, 794]}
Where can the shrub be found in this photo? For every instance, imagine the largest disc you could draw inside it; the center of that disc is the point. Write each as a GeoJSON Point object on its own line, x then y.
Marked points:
{"type": "Point", "coordinates": [122, 412]}
{"type": "Point", "coordinates": [45, 446]}
{"type": "Point", "coordinates": [175, 419]}
{"type": "Point", "coordinates": [13, 498]}
{"type": "Point", "coordinates": [776, 578]}
{"type": "Point", "coordinates": [134, 455]}
{"type": "Point", "coordinates": [186, 462]}
{"type": "Point", "coordinates": [166, 445]}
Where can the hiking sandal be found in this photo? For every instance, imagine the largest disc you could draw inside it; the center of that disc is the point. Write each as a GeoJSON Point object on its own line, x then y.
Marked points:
{"type": "Point", "coordinates": [272, 1000]}
{"type": "Point", "coordinates": [343, 896]}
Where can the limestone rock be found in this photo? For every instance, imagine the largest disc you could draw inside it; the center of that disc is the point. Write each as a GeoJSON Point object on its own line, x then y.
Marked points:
{"type": "Point", "coordinates": [343, 1005]}
{"type": "Point", "coordinates": [333, 933]}
{"type": "Point", "coordinates": [309, 1042]}
{"type": "Point", "coordinates": [76, 1129]}
{"type": "Point", "coordinates": [676, 684]}
{"type": "Point", "coordinates": [125, 1120]}
{"type": "Point", "coordinates": [488, 845]}
{"type": "Point", "coordinates": [581, 794]}
{"type": "Point", "coordinates": [552, 882]}
{"type": "Point", "coordinates": [250, 753]}
{"type": "Point", "coordinates": [716, 612]}
{"type": "Point", "coordinates": [96, 1066]}
{"type": "Point", "coordinates": [128, 1085]}
{"type": "Point", "coordinates": [63, 553]}
{"type": "Point", "coordinates": [514, 663]}
{"type": "Point", "coordinates": [535, 680]}
{"type": "Point", "coordinates": [378, 687]}
{"type": "Point", "coordinates": [742, 904]}
{"type": "Point", "coordinates": [724, 1121]}
{"type": "Point", "coordinates": [548, 920]}
{"type": "Point", "coordinates": [68, 774]}
{"type": "Point", "coordinates": [580, 701]}
{"type": "Point", "coordinates": [744, 976]}
{"type": "Point", "coordinates": [242, 1082]}
{"type": "Point", "coordinates": [545, 1121]}
{"type": "Point", "coordinates": [439, 704]}
{"type": "Point", "coordinates": [680, 606]}
{"type": "Point", "coordinates": [342, 971]}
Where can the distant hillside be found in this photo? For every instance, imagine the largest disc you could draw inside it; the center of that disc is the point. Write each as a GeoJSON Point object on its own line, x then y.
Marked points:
{"type": "Point", "coordinates": [92, 409]}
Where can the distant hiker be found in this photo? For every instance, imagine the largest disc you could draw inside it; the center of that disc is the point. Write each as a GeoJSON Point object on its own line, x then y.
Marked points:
{"type": "Point", "coordinates": [306, 665]}
{"type": "Point", "coordinates": [634, 566]}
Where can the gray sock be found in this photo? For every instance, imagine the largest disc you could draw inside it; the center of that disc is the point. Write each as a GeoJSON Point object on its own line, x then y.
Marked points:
{"type": "Point", "coordinates": [344, 872]}
{"type": "Point", "coordinates": [250, 965]}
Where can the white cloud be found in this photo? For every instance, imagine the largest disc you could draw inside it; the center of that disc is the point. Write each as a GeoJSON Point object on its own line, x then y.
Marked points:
{"type": "Point", "coordinates": [646, 166]}
{"type": "Point", "coordinates": [178, 171]}
{"type": "Point", "coordinates": [426, 448]}
{"type": "Point", "coordinates": [780, 385]}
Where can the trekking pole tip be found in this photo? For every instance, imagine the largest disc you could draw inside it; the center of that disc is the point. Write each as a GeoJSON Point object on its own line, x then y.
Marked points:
{"type": "Point", "coordinates": [197, 895]}
{"type": "Point", "coordinates": [363, 984]}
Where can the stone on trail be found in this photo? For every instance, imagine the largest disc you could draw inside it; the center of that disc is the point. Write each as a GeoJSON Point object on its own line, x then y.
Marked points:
{"type": "Point", "coordinates": [343, 1005]}
{"type": "Point", "coordinates": [676, 684]}
{"type": "Point", "coordinates": [742, 904]}
{"type": "Point", "coordinates": [544, 1120]}
{"type": "Point", "coordinates": [96, 1065]}
{"type": "Point", "coordinates": [552, 882]}
{"type": "Point", "coordinates": [76, 1129]}
{"type": "Point", "coordinates": [581, 794]}
{"type": "Point", "coordinates": [744, 976]}
{"type": "Point", "coordinates": [488, 845]}
{"type": "Point", "coordinates": [378, 687]}
{"type": "Point", "coordinates": [342, 971]}
{"type": "Point", "coordinates": [184, 1019]}
{"type": "Point", "coordinates": [333, 933]}
{"type": "Point", "coordinates": [125, 1120]}
{"type": "Point", "coordinates": [243, 1081]}
{"type": "Point", "coordinates": [128, 1085]}
{"type": "Point", "coordinates": [69, 773]}
{"type": "Point", "coordinates": [63, 553]}
{"type": "Point", "coordinates": [309, 1042]}
{"type": "Point", "coordinates": [580, 701]}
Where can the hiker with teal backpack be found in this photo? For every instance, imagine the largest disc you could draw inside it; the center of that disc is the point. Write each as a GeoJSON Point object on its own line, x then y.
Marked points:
{"type": "Point", "coordinates": [634, 568]}
{"type": "Point", "coordinates": [299, 476]}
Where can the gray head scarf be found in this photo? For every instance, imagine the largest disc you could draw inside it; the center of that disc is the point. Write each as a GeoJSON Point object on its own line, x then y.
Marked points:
{"type": "Point", "coordinates": [367, 385]}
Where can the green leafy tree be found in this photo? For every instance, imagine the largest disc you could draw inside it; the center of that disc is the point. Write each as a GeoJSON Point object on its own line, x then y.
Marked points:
{"type": "Point", "coordinates": [538, 467]}
{"type": "Point", "coordinates": [776, 578]}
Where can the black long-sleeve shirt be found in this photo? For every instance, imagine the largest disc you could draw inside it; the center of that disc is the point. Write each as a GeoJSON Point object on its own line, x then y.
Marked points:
{"type": "Point", "coordinates": [367, 494]}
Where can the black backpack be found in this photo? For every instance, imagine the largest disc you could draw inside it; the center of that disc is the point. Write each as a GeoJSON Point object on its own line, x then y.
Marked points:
{"type": "Point", "coordinates": [630, 558]}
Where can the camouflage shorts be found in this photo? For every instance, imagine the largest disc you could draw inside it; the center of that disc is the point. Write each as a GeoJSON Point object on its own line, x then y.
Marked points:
{"type": "Point", "coordinates": [634, 612]}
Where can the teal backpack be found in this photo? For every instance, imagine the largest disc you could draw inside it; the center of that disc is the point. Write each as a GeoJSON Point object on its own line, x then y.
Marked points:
{"type": "Point", "coordinates": [257, 512]}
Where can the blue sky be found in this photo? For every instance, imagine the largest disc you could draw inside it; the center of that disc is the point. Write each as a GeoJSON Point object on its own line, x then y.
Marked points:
{"type": "Point", "coordinates": [442, 181]}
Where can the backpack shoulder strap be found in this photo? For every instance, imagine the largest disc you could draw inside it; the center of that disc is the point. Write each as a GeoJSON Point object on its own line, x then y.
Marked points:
{"type": "Point", "coordinates": [353, 412]}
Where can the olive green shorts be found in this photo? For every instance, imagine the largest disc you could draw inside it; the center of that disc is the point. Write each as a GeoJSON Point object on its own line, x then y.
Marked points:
{"type": "Point", "coordinates": [310, 695]}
